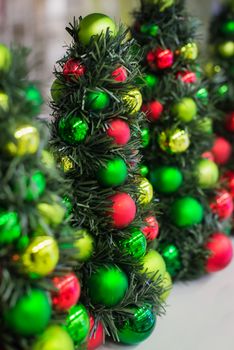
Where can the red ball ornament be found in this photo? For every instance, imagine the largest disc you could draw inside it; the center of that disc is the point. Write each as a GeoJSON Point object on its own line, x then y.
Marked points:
{"type": "Point", "coordinates": [96, 335]}
{"type": "Point", "coordinates": [208, 155]}
{"type": "Point", "coordinates": [150, 57]}
{"type": "Point", "coordinates": [164, 58]}
{"type": "Point", "coordinates": [187, 77]}
{"type": "Point", "coordinates": [153, 110]}
{"type": "Point", "coordinates": [151, 230]}
{"type": "Point", "coordinates": [68, 292]}
{"type": "Point", "coordinates": [120, 74]}
{"type": "Point", "coordinates": [73, 69]}
{"type": "Point", "coordinates": [229, 122]}
{"type": "Point", "coordinates": [222, 205]}
{"type": "Point", "coordinates": [229, 177]}
{"type": "Point", "coordinates": [221, 150]}
{"type": "Point", "coordinates": [119, 130]}
{"type": "Point", "coordinates": [221, 252]}
{"type": "Point", "coordinates": [123, 210]}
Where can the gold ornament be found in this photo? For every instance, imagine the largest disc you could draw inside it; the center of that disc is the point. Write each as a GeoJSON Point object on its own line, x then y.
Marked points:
{"type": "Point", "coordinates": [84, 246]}
{"type": "Point", "coordinates": [189, 51]}
{"type": "Point", "coordinates": [174, 140]}
{"type": "Point", "coordinates": [40, 257]}
{"type": "Point", "coordinates": [67, 164]}
{"type": "Point", "coordinates": [26, 141]}
{"type": "Point", "coordinates": [146, 191]}
{"type": "Point", "coordinates": [4, 101]}
{"type": "Point", "coordinates": [53, 214]}
{"type": "Point", "coordinates": [132, 101]}
{"type": "Point", "coordinates": [47, 159]}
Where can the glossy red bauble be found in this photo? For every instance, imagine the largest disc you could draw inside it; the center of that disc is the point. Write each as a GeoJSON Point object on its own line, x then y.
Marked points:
{"type": "Point", "coordinates": [150, 57]}
{"type": "Point", "coordinates": [153, 110]}
{"type": "Point", "coordinates": [221, 252]}
{"type": "Point", "coordinates": [229, 177]}
{"type": "Point", "coordinates": [123, 210]}
{"type": "Point", "coordinates": [119, 130]}
{"type": "Point", "coordinates": [68, 292]}
{"type": "Point", "coordinates": [151, 229]}
{"type": "Point", "coordinates": [120, 74]}
{"type": "Point", "coordinates": [208, 155]}
{"type": "Point", "coordinates": [164, 58]}
{"type": "Point", "coordinates": [221, 150]}
{"type": "Point", "coordinates": [187, 77]}
{"type": "Point", "coordinates": [96, 335]}
{"type": "Point", "coordinates": [229, 122]}
{"type": "Point", "coordinates": [73, 69]}
{"type": "Point", "coordinates": [222, 205]}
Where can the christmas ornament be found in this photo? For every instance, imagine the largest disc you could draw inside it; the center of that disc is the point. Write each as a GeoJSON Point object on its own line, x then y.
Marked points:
{"type": "Point", "coordinates": [72, 129]}
{"type": "Point", "coordinates": [94, 25]}
{"type": "Point", "coordinates": [223, 90]}
{"type": "Point", "coordinates": [187, 77]}
{"type": "Point", "coordinates": [135, 245]}
{"type": "Point", "coordinates": [77, 324]}
{"type": "Point", "coordinates": [22, 243]}
{"type": "Point", "coordinates": [211, 69]}
{"type": "Point", "coordinates": [30, 315]}
{"type": "Point", "coordinates": [153, 265]}
{"type": "Point", "coordinates": [207, 173]}
{"type": "Point", "coordinates": [189, 51]}
{"type": "Point", "coordinates": [166, 179]}
{"type": "Point", "coordinates": [186, 211]}
{"type": "Point", "coordinates": [227, 27]}
{"type": "Point", "coordinates": [222, 205]}
{"type": "Point", "coordinates": [174, 140]}
{"type": "Point", "coordinates": [97, 101]}
{"type": "Point", "coordinates": [153, 110]}
{"type": "Point", "coordinates": [229, 122]}
{"type": "Point", "coordinates": [120, 74]}
{"type": "Point", "coordinates": [145, 137]}
{"type": "Point", "coordinates": [10, 228]}
{"type": "Point", "coordinates": [221, 252]}
{"type": "Point", "coordinates": [53, 214]}
{"type": "Point", "coordinates": [228, 176]}
{"type": "Point", "coordinates": [4, 101]}
{"type": "Point", "coordinates": [67, 292]}
{"type": "Point", "coordinates": [113, 173]}
{"type": "Point", "coordinates": [149, 29]}
{"type": "Point", "coordinates": [73, 68]}
{"type": "Point", "coordinates": [96, 334]}
{"type": "Point", "coordinates": [67, 164]}
{"type": "Point", "coordinates": [53, 338]}
{"type": "Point", "coordinates": [33, 95]}
{"type": "Point", "coordinates": [208, 155]}
{"type": "Point", "coordinates": [203, 95]}
{"type": "Point", "coordinates": [185, 110]}
{"type": "Point", "coordinates": [119, 130]}
{"type": "Point", "coordinates": [205, 125]}
{"type": "Point", "coordinates": [84, 245]}
{"type": "Point", "coordinates": [171, 257]}
{"type": "Point", "coordinates": [123, 210]}
{"type": "Point", "coordinates": [166, 287]}
{"type": "Point", "coordinates": [47, 160]}
{"type": "Point", "coordinates": [34, 185]}
{"type": "Point", "coordinates": [57, 90]}
{"type": "Point", "coordinates": [151, 229]}
{"type": "Point", "coordinates": [5, 58]}
{"type": "Point", "coordinates": [40, 257]}
{"type": "Point", "coordinates": [226, 49]}
{"type": "Point", "coordinates": [26, 141]}
{"type": "Point", "coordinates": [132, 101]}
{"type": "Point", "coordinates": [107, 285]}
{"type": "Point", "coordinates": [144, 170]}
{"type": "Point", "coordinates": [137, 326]}
{"type": "Point", "coordinates": [164, 58]}
{"type": "Point", "coordinates": [221, 150]}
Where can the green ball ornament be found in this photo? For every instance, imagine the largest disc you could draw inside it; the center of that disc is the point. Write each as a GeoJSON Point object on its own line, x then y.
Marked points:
{"type": "Point", "coordinates": [171, 257]}
{"type": "Point", "coordinates": [107, 286]}
{"type": "Point", "coordinates": [151, 80]}
{"type": "Point", "coordinates": [4, 101]}
{"type": "Point", "coordinates": [33, 95]}
{"type": "Point", "coordinates": [203, 95]}
{"type": "Point", "coordinates": [72, 129]}
{"type": "Point", "coordinates": [97, 101]}
{"type": "Point", "coordinates": [135, 245]}
{"type": "Point", "coordinates": [228, 27]}
{"type": "Point", "coordinates": [34, 186]}
{"type": "Point", "coordinates": [207, 173]}
{"type": "Point", "coordinates": [10, 228]}
{"type": "Point", "coordinates": [77, 324]}
{"type": "Point", "coordinates": [205, 125]}
{"type": "Point", "coordinates": [166, 286]}
{"type": "Point", "coordinates": [113, 173]}
{"type": "Point", "coordinates": [153, 265]}
{"type": "Point", "coordinates": [145, 137]}
{"type": "Point", "coordinates": [226, 49]}
{"type": "Point", "coordinates": [5, 58]}
{"type": "Point", "coordinates": [30, 315]}
{"type": "Point", "coordinates": [149, 29]}
{"type": "Point", "coordinates": [185, 110]}
{"type": "Point", "coordinates": [166, 179]}
{"type": "Point", "coordinates": [56, 91]}
{"type": "Point", "coordinates": [138, 325]}
{"type": "Point", "coordinates": [223, 90]}
{"type": "Point", "coordinates": [186, 212]}
{"type": "Point", "coordinates": [144, 170]}
{"type": "Point", "coordinates": [53, 338]}
{"type": "Point", "coordinates": [94, 25]}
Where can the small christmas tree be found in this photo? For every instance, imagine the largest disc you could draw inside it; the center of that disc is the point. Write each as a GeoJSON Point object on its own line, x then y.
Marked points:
{"type": "Point", "coordinates": [96, 138]}
{"type": "Point", "coordinates": [221, 74]}
{"type": "Point", "coordinates": [180, 169]}
{"type": "Point", "coordinates": [37, 286]}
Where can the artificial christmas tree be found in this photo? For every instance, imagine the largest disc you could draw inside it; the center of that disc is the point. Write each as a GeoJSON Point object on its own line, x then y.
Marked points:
{"type": "Point", "coordinates": [180, 134]}
{"type": "Point", "coordinates": [37, 286]}
{"type": "Point", "coordinates": [96, 138]}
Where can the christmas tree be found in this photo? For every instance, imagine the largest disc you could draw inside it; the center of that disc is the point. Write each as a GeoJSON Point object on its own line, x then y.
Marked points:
{"type": "Point", "coordinates": [180, 134]}
{"type": "Point", "coordinates": [220, 72]}
{"type": "Point", "coordinates": [37, 286]}
{"type": "Point", "coordinates": [96, 139]}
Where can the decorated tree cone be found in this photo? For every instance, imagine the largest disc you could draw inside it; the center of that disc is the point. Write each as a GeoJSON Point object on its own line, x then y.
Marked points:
{"type": "Point", "coordinates": [220, 251]}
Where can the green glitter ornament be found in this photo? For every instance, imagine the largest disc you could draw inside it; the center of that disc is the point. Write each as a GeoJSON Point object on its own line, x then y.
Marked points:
{"type": "Point", "coordinates": [114, 173]}
{"type": "Point", "coordinates": [186, 212]}
{"type": "Point", "coordinates": [72, 129]}
{"type": "Point", "coordinates": [135, 245]}
{"type": "Point", "coordinates": [97, 101]}
{"type": "Point", "coordinates": [145, 137]}
{"type": "Point", "coordinates": [171, 257]}
{"type": "Point", "coordinates": [166, 179]}
{"type": "Point", "coordinates": [77, 324]}
{"type": "Point", "coordinates": [9, 227]}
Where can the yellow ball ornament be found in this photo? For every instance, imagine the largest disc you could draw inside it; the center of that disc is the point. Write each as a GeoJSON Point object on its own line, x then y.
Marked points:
{"type": "Point", "coordinates": [40, 257]}
{"type": "Point", "coordinates": [146, 191]}
{"type": "Point", "coordinates": [153, 265]}
{"type": "Point", "coordinates": [67, 164]}
{"type": "Point", "coordinates": [4, 101]}
{"type": "Point", "coordinates": [84, 246]}
{"type": "Point", "coordinates": [212, 69]}
{"type": "Point", "coordinates": [132, 101]}
{"type": "Point", "coordinates": [53, 338]}
{"type": "Point", "coordinates": [189, 51]}
{"type": "Point", "coordinates": [53, 214]}
{"type": "Point", "coordinates": [174, 140]}
{"type": "Point", "coordinates": [226, 49]}
{"type": "Point", "coordinates": [166, 286]}
{"type": "Point", "coordinates": [26, 141]}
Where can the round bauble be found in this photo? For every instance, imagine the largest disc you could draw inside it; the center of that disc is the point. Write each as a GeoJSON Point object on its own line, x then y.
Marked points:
{"type": "Point", "coordinates": [67, 292]}
{"type": "Point", "coordinates": [221, 150]}
{"type": "Point", "coordinates": [4, 101]}
{"type": "Point", "coordinates": [166, 287]}
{"type": "Point", "coordinates": [174, 141]}
{"type": "Point", "coordinates": [189, 51]}
{"type": "Point", "coordinates": [34, 185]}
{"type": "Point", "coordinates": [203, 95]}
{"type": "Point", "coordinates": [186, 212]}
{"type": "Point", "coordinates": [226, 49]}
{"type": "Point", "coordinates": [153, 110]}
{"type": "Point", "coordinates": [145, 137]}
{"type": "Point", "coordinates": [97, 101]}
{"type": "Point", "coordinates": [123, 210]}
{"type": "Point", "coordinates": [52, 213]}
{"type": "Point", "coordinates": [107, 286]}
{"type": "Point", "coordinates": [5, 58]}
{"type": "Point", "coordinates": [150, 81]}
{"type": "Point", "coordinates": [73, 68]}
{"type": "Point", "coordinates": [205, 125]}
{"type": "Point", "coordinates": [120, 74]}
{"type": "Point", "coordinates": [153, 265]}
{"type": "Point", "coordinates": [53, 338]}
{"type": "Point", "coordinates": [94, 25]}
{"type": "Point", "coordinates": [77, 324]}
{"type": "Point", "coordinates": [72, 129]}
{"type": "Point", "coordinates": [208, 155]}
{"type": "Point", "coordinates": [151, 230]}
{"type": "Point", "coordinates": [57, 90]}
{"type": "Point", "coordinates": [135, 245]}
{"type": "Point", "coordinates": [33, 95]}
{"type": "Point", "coordinates": [113, 173]}
{"type": "Point", "coordinates": [187, 77]}
{"type": "Point", "coordinates": [185, 110]}
{"type": "Point", "coordinates": [166, 179]}
{"type": "Point", "coordinates": [207, 173]}
{"type": "Point", "coordinates": [144, 170]}
{"type": "Point", "coordinates": [149, 29]}
{"type": "Point", "coordinates": [222, 205]}
{"type": "Point", "coordinates": [228, 176]}
{"type": "Point", "coordinates": [67, 164]}
{"type": "Point", "coordinates": [119, 130]}
{"type": "Point", "coordinates": [145, 191]}
{"type": "Point", "coordinates": [221, 252]}
{"type": "Point", "coordinates": [229, 122]}
{"type": "Point", "coordinates": [171, 256]}
{"type": "Point", "coordinates": [164, 58]}
{"type": "Point", "coordinates": [30, 315]}
{"type": "Point", "coordinates": [84, 246]}
{"type": "Point", "coordinates": [10, 228]}
{"type": "Point", "coordinates": [132, 101]}
{"type": "Point", "coordinates": [227, 27]}
{"type": "Point", "coordinates": [96, 334]}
